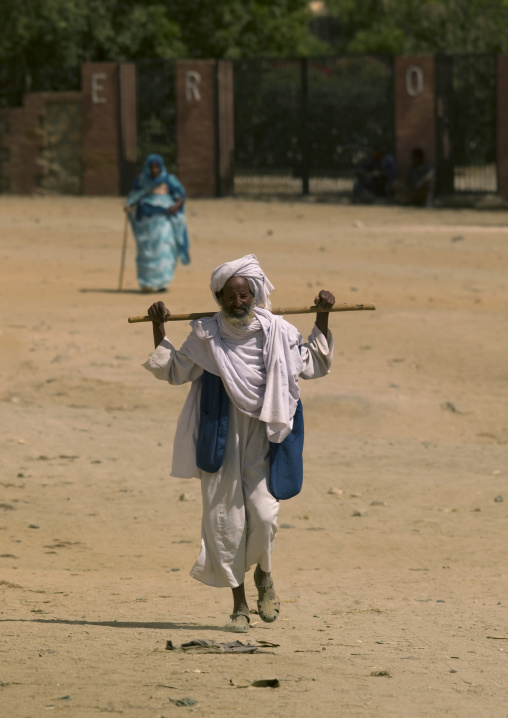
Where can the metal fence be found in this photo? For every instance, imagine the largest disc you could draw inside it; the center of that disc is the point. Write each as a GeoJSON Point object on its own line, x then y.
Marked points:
{"type": "Point", "coordinates": [302, 125]}
{"type": "Point", "coordinates": [474, 126]}
{"type": "Point", "coordinates": [156, 104]}
{"type": "Point", "coordinates": [268, 126]}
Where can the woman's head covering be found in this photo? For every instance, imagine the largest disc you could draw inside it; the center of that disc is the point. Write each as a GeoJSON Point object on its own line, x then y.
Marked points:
{"type": "Point", "coordinates": [146, 177]}
{"type": "Point", "coordinates": [249, 268]}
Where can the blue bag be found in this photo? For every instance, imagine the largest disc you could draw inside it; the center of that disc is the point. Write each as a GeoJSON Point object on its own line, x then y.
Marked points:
{"type": "Point", "coordinates": [213, 424]}
{"type": "Point", "coordinates": [286, 461]}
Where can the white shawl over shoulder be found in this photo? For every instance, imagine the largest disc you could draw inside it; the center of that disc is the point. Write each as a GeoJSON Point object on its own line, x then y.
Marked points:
{"type": "Point", "coordinates": [259, 365]}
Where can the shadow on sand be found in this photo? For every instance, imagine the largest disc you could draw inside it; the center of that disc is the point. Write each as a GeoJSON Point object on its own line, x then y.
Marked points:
{"type": "Point", "coordinates": [117, 624]}
{"type": "Point", "coordinates": [111, 291]}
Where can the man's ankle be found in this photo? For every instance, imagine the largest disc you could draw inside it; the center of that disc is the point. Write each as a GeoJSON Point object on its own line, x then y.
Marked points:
{"type": "Point", "coordinates": [241, 608]}
{"type": "Point", "coordinates": [262, 578]}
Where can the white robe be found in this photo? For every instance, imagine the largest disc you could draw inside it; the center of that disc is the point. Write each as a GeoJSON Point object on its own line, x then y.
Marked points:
{"type": "Point", "coordinates": [239, 513]}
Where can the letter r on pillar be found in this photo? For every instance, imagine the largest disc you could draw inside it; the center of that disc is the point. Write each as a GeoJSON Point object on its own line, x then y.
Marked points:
{"type": "Point", "coordinates": [192, 83]}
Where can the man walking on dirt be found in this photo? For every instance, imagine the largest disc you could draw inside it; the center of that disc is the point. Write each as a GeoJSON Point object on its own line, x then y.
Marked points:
{"type": "Point", "coordinates": [241, 428]}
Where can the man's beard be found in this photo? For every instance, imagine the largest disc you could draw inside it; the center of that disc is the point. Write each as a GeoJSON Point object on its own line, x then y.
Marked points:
{"type": "Point", "coordinates": [238, 321]}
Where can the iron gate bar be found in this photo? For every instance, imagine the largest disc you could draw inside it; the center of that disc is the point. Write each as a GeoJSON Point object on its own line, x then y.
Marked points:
{"type": "Point", "coordinates": [351, 110]}
{"type": "Point", "coordinates": [445, 135]}
{"type": "Point", "coordinates": [156, 109]}
{"type": "Point", "coordinates": [304, 78]}
{"type": "Point", "coordinates": [218, 182]}
{"type": "Point", "coordinates": [473, 124]}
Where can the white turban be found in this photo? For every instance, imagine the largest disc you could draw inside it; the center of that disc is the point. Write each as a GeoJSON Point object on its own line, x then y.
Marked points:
{"type": "Point", "coordinates": [249, 268]}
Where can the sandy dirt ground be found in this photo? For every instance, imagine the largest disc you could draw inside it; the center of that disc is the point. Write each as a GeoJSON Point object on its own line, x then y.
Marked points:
{"type": "Point", "coordinates": [393, 589]}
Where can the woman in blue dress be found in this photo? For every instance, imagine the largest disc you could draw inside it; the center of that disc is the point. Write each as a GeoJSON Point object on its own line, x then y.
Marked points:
{"type": "Point", "coordinates": [155, 207]}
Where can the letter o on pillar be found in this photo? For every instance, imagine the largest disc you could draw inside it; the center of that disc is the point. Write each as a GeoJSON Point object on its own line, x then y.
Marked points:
{"type": "Point", "coordinates": [414, 80]}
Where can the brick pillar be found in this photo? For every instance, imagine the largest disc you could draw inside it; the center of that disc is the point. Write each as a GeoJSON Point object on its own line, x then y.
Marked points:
{"type": "Point", "coordinates": [415, 123]}
{"type": "Point", "coordinates": [204, 126]}
{"type": "Point", "coordinates": [195, 126]}
{"type": "Point", "coordinates": [502, 125]}
{"type": "Point", "coordinates": [99, 82]}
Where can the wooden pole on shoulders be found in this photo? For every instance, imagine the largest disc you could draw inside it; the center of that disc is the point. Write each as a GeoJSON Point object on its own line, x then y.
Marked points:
{"type": "Point", "coordinates": [281, 310]}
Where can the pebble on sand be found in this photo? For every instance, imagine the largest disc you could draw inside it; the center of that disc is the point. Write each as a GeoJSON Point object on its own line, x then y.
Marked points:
{"type": "Point", "coordinates": [266, 683]}
{"type": "Point", "coordinates": [498, 499]}
{"type": "Point", "coordinates": [335, 491]}
{"type": "Point", "coordinates": [183, 701]}
{"type": "Point", "coordinates": [449, 406]}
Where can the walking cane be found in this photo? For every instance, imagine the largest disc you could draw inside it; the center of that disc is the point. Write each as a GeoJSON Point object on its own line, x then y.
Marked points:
{"type": "Point", "coordinates": [124, 247]}
{"type": "Point", "coordinates": [282, 310]}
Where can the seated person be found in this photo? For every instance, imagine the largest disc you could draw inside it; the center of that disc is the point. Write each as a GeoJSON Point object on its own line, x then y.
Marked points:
{"type": "Point", "coordinates": [375, 177]}
{"type": "Point", "coordinates": [418, 189]}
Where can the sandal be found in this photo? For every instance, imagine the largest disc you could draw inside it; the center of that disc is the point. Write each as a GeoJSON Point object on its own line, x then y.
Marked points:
{"type": "Point", "coordinates": [268, 603]}
{"type": "Point", "coordinates": [239, 623]}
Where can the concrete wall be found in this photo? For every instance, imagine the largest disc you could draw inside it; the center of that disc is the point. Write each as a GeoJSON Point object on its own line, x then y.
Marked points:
{"type": "Point", "coordinates": [25, 140]}
{"type": "Point", "coordinates": [61, 151]}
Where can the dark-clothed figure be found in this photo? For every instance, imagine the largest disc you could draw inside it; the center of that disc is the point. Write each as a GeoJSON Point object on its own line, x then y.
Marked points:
{"type": "Point", "coordinates": [375, 177]}
{"type": "Point", "coordinates": [419, 180]}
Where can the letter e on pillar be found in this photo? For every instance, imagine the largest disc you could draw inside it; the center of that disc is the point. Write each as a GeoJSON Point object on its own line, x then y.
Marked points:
{"type": "Point", "coordinates": [192, 83]}
{"type": "Point", "coordinates": [97, 88]}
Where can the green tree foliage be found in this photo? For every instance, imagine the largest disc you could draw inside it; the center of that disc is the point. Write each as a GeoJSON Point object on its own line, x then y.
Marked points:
{"type": "Point", "coordinates": [419, 26]}
{"type": "Point", "coordinates": [253, 28]}
{"type": "Point", "coordinates": [44, 42]}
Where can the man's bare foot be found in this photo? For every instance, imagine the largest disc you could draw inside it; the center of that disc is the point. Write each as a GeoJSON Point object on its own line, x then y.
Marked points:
{"type": "Point", "coordinates": [268, 601]}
